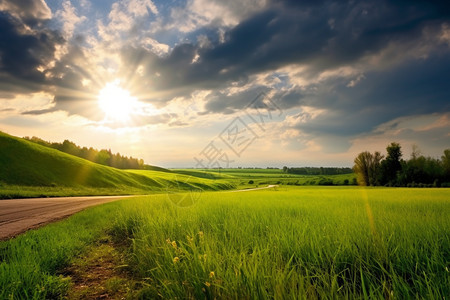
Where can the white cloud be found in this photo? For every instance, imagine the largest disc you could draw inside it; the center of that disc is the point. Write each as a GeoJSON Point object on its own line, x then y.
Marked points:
{"type": "Point", "coordinates": [85, 3]}
{"type": "Point", "coordinates": [138, 8]}
{"type": "Point", "coordinates": [155, 46]}
{"type": "Point", "coordinates": [199, 13]}
{"type": "Point", "coordinates": [25, 102]}
{"type": "Point", "coordinates": [69, 18]}
{"type": "Point", "coordinates": [355, 81]}
{"type": "Point", "coordinates": [119, 19]}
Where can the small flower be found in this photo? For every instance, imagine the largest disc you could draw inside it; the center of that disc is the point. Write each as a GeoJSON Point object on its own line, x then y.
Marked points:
{"type": "Point", "coordinates": [207, 284]}
{"type": "Point", "coordinates": [200, 233]}
{"type": "Point", "coordinates": [211, 274]}
{"type": "Point", "coordinates": [176, 259]}
{"type": "Point", "coordinates": [168, 241]}
{"type": "Point", "coordinates": [174, 245]}
{"type": "Point", "coordinates": [202, 257]}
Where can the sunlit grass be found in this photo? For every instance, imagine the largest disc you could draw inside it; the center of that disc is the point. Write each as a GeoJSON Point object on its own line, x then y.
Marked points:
{"type": "Point", "coordinates": [296, 242]}
{"type": "Point", "coordinates": [313, 242]}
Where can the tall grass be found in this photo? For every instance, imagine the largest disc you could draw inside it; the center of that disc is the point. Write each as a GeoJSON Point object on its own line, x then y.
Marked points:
{"type": "Point", "coordinates": [309, 242]}
{"type": "Point", "coordinates": [29, 264]}
{"type": "Point", "coordinates": [295, 243]}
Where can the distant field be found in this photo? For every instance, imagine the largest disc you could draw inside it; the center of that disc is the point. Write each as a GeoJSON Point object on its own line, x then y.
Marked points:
{"type": "Point", "coordinates": [246, 178]}
{"type": "Point", "coordinates": [285, 243]}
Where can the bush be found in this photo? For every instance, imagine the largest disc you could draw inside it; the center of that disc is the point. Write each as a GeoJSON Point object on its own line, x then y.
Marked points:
{"type": "Point", "coordinates": [251, 182]}
{"type": "Point", "coordinates": [326, 181]}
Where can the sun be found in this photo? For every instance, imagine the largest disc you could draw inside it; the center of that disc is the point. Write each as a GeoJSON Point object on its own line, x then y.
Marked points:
{"type": "Point", "coordinates": [116, 103]}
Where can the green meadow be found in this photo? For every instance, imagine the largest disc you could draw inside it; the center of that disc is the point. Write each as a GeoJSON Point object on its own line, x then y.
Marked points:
{"type": "Point", "coordinates": [251, 178]}
{"type": "Point", "coordinates": [31, 170]}
{"type": "Point", "coordinates": [284, 243]}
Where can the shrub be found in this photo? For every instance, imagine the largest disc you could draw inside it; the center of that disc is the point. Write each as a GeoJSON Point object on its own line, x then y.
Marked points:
{"type": "Point", "coordinates": [326, 181]}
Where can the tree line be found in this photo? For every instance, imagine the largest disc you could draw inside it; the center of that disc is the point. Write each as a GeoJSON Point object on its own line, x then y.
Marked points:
{"type": "Point", "coordinates": [317, 171]}
{"type": "Point", "coordinates": [374, 169]}
{"type": "Point", "coordinates": [103, 157]}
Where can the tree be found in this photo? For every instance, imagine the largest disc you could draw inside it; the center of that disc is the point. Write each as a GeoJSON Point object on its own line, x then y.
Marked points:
{"type": "Point", "coordinates": [374, 170]}
{"type": "Point", "coordinates": [361, 167]}
{"type": "Point", "coordinates": [446, 164]}
{"type": "Point", "coordinates": [367, 167]}
{"type": "Point", "coordinates": [391, 165]}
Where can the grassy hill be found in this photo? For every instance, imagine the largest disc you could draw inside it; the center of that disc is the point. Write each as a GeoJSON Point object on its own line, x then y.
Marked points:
{"type": "Point", "coordinates": [24, 164]}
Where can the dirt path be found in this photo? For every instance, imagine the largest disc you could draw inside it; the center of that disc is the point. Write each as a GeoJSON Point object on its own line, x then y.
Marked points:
{"type": "Point", "coordinates": [20, 215]}
{"type": "Point", "coordinates": [255, 189]}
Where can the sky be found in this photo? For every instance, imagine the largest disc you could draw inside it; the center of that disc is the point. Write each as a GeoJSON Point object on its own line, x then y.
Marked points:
{"type": "Point", "coordinates": [210, 83]}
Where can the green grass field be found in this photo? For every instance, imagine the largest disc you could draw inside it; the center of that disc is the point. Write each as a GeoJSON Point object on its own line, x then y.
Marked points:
{"type": "Point", "coordinates": [248, 178]}
{"type": "Point", "coordinates": [31, 170]}
{"type": "Point", "coordinates": [290, 242]}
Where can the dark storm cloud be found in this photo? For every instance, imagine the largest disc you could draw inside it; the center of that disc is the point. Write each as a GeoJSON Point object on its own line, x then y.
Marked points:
{"type": "Point", "coordinates": [27, 47]}
{"type": "Point", "coordinates": [31, 12]}
{"type": "Point", "coordinates": [236, 101]}
{"type": "Point", "coordinates": [320, 35]}
{"type": "Point", "coordinates": [21, 54]}
{"type": "Point", "coordinates": [412, 89]}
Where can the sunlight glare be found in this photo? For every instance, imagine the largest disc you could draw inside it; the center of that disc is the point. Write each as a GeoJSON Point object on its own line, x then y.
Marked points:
{"type": "Point", "coordinates": [116, 103]}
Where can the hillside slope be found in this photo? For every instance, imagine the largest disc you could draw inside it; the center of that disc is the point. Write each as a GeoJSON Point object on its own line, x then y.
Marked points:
{"type": "Point", "coordinates": [23, 163]}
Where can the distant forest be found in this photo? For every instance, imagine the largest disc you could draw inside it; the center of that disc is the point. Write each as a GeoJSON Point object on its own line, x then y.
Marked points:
{"type": "Point", "coordinates": [103, 157]}
{"type": "Point", "coordinates": [373, 169]}
{"type": "Point", "coordinates": [317, 171]}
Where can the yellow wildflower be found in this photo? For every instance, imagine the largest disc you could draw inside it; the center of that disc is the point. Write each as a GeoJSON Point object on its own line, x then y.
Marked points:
{"type": "Point", "coordinates": [176, 259]}
{"type": "Point", "coordinates": [200, 233]}
{"type": "Point", "coordinates": [211, 274]}
{"type": "Point", "coordinates": [174, 245]}
{"type": "Point", "coordinates": [207, 284]}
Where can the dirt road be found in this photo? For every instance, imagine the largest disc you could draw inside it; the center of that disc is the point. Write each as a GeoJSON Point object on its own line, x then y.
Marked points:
{"type": "Point", "coordinates": [20, 215]}
{"type": "Point", "coordinates": [255, 189]}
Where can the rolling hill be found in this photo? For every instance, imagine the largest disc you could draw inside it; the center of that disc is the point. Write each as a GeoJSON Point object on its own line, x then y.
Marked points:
{"type": "Point", "coordinates": [23, 163]}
